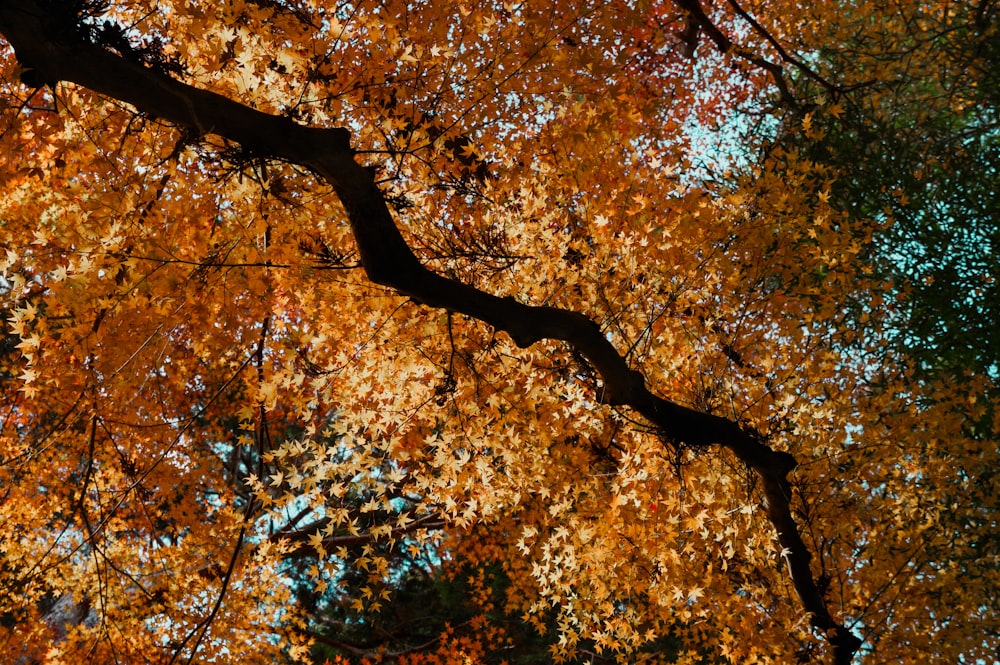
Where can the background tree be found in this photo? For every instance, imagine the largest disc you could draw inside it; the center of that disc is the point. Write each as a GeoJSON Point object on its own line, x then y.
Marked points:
{"type": "Point", "coordinates": [915, 151]}
{"type": "Point", "coordinates": [308, 297]}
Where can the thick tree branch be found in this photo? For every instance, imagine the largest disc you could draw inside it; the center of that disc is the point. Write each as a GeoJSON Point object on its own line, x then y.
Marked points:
{"type": "Point", "coordinates": [40, 45]}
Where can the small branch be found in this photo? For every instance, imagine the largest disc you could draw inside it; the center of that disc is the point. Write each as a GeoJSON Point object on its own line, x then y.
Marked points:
{"type": "Point", "coordinates": [202, 627]}
{"type": "Point", "coordinates": [785, 56]}
{"type": "Point", "coordinates": [982, 18]}
{"type": "Point", "coordinates": [371, 650]}
{"type": "Point", "coordinates": [725, 45]}
{"type": "Point", "coordinates": [426, 523]}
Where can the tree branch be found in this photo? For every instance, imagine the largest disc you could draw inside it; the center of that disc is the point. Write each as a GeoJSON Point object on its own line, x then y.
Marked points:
{"type": "Point", "coordinates": [388, 260]}
{"type": "Point", "coordinates": [724, 44]}
{"type": "Point", "coordinates": [305, 534]}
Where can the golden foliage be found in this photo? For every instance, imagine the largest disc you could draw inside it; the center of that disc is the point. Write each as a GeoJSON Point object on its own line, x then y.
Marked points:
{"type": "Point", "coordinates": [202, 385]}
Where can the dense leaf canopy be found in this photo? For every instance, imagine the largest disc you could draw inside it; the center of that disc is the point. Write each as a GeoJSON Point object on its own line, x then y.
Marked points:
{"type": "Point", "coordinates": [454, 331]}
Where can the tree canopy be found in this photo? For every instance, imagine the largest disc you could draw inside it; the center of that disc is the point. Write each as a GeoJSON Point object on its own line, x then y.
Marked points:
{"type": "Point", "coordinates": [446, 331]}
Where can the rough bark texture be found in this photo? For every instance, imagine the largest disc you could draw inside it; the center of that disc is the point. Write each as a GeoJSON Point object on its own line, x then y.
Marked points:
{"type": "Point", "coordinates": [52, 54]}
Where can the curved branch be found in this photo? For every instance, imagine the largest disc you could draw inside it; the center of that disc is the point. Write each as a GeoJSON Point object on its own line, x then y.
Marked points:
{"type": "Point", "coordinates": [776, 45]}
{"type": "Point", "coordinates": [724, 45]}
{"type": "Point", "coordinates": [372, 650]}
{"type": "Point", "coordinates": [389, 261]}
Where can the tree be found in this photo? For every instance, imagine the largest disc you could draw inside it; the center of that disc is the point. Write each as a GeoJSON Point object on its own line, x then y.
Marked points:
{"type": "Point", "coordinates": [917, 154]}
{"type": "Point", "coordinates": [304, 296]}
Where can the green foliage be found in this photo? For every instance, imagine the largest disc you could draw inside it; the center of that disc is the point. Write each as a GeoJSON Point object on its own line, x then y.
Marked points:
{"type": "Point", "coordinates": [915, 149]}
